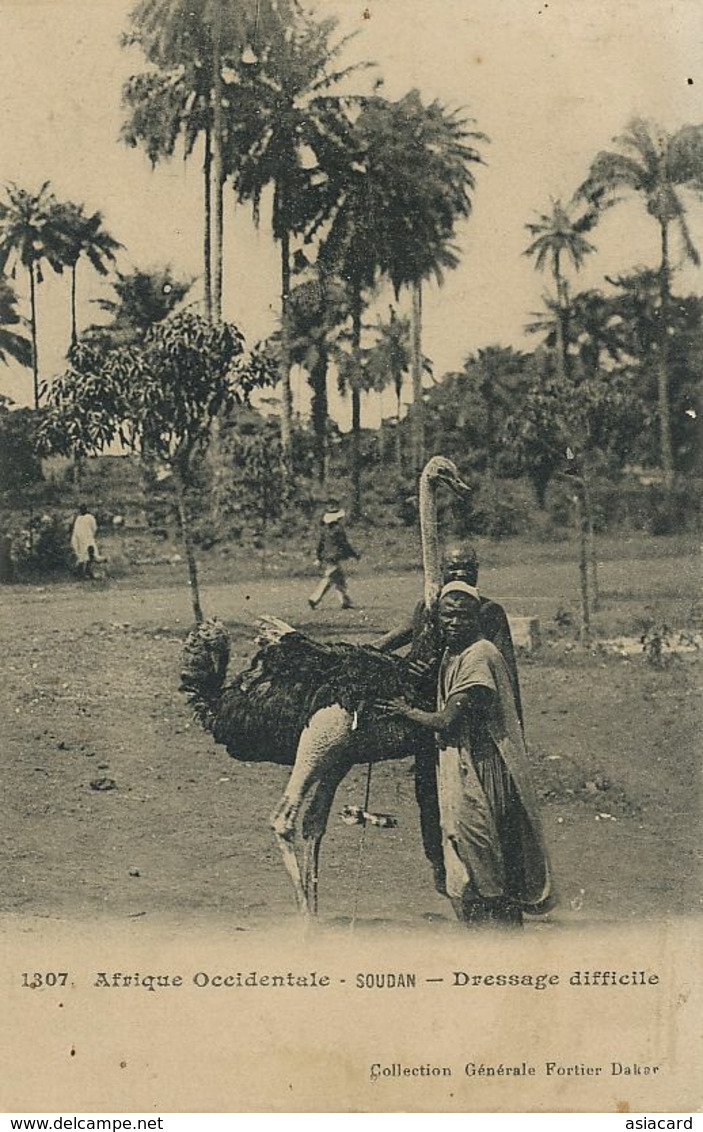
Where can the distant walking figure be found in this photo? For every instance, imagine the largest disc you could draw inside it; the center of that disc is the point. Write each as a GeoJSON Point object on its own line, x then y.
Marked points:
{"type": "Point", "coordinates": [333, 549]}
{"type": "Point", "coordinates": [83, 543]}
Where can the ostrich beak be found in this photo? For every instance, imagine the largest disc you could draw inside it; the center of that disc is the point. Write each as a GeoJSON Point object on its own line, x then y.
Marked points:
{"type": "Point", "coordinates": [461, 489]}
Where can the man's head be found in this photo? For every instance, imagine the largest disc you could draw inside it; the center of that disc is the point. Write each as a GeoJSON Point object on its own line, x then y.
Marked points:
{"type": "Point", "coordinates": [461, 564]}
{"type": "Point", "coordinates": [459, 609]}
{"type": "Point", "coordinates": [83, 509]}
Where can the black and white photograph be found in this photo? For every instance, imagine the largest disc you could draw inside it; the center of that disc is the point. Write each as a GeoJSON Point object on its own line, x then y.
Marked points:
{"type": "Point", "coordinates": [350, 514]}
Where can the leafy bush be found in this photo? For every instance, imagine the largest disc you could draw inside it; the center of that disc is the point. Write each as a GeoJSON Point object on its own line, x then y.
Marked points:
{"type": "Point", "coordinates": [19, 464]}
{"type": "Point", "coordinates": [43, 545]}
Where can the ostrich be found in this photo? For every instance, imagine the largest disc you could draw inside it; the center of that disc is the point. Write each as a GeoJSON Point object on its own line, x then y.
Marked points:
{"type": "Point", "coordinates": [309, 705]}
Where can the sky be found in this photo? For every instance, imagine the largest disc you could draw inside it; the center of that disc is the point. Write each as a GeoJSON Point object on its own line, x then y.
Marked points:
{"type": "Point", "coordinates": [550, 83]}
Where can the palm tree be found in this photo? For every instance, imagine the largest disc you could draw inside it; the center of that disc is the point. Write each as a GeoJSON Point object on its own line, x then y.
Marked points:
{"type": "Point", "coordinates": [12, 344]}
{"type": "Point", "coordinates": [162, 107]}
{"type": "Point", "coordinates": [143, 299]}
{"type": "Point", "coordinates": [594, 329]}
{"type": "Point", "coordinates": [656, 165]}
{"type": "Point", "coordinates": [496, 378]}
{"type": "Point", "coordinates": [389, 359]}
{"type": "Point", "coordinates": [432, 154]}
{"type": "Point", "coordinates": [318, 309]}
{"type": "Point", "coordinates": [83, 235]}
{"type": "Point", "coordinates": [206, 39]}
{"type": "Point", "coordinates": [286, 117]}
{"type": "Point", "coordinates": [559, 236]}
{"type": "Point", "coordinates": [30, 236]}
{"type": "Point", "coordinates": [393, 214]}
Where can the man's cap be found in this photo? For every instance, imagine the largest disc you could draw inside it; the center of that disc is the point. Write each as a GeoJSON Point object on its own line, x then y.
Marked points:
{"type": "Point", "coordinates": [333, 516]}
{"type": "Point", "coordinates": [461, 562]}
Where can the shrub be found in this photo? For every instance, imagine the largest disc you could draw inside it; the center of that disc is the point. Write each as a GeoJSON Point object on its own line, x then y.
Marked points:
{"type": "Point", "coordinates": [43, 545]}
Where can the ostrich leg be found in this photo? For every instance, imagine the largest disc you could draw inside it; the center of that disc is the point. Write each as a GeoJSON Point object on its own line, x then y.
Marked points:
{"type": "Point", "coordinates": [320, 748]}
{"type": "Point", "coordinates": [314, 826]}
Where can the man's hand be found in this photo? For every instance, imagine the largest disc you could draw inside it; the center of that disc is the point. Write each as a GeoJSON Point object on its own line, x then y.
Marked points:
{"type": "Point", "coordinates": [420, 669]}
{"type": "Point", "coordinates": [395, 706]}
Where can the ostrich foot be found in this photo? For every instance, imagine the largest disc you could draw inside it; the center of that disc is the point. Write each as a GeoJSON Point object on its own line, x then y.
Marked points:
{"type": "Point", "coordinates": [290, 863]}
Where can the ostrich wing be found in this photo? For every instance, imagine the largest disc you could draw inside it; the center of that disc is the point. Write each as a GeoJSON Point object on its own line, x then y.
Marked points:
{"type": "Point", "coordinates": [263, 710]}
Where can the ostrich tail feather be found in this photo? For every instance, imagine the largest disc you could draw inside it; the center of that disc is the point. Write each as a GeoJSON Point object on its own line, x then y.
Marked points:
{"type": "Point", "coordinates": [204, 668]}
{"type": "Point", "coordinates": [270, 630]}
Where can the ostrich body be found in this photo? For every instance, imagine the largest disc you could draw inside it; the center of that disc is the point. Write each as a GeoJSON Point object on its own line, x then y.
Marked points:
{"type": "Point", "coordinates": [309, 705]}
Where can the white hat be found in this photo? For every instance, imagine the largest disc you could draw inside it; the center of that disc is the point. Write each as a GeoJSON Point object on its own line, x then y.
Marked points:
{"type": "Point", "coordinates": [461, 588]}
{"type": "Point", "coordinates": [333, 516]}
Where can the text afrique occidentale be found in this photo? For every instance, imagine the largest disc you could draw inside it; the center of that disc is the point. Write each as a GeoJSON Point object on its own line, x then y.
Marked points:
{"type": "Point", "coordinates": [379, 981]}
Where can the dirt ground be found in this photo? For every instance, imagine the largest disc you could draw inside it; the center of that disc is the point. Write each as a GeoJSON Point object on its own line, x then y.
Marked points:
{"type": "Point", "coordinates": [116, 804]}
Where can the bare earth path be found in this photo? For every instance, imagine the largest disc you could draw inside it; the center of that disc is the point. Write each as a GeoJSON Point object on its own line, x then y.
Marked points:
{"type": "Point", "coordinates": [115, 804]}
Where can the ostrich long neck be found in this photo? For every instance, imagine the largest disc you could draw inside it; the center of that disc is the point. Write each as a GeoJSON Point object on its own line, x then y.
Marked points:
{"type": "Point", "coordinates": [429, 536]}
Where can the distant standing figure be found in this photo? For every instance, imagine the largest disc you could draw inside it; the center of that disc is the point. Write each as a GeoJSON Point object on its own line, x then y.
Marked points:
{"type": "Point", "coordinates": [333, 549]}
{"type": "Point", "coordinates": [83, 543]}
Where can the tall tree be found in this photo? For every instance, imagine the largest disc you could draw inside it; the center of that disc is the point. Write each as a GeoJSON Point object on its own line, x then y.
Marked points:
{"type": "Point", "coordinates": [595, 342]}
{"type": "Point", "coordinates": [558, 238]}
{"type": "Point", "coordinates": [434, 151]}
{"type": "Point", "coordinates": [163, 106]}
{"type": "Point", "coordinates": [636, 302]}
{"type": "Point", "coordinates": [285, 119]}
{"type": "Point", "coordinates": [30, 237]}
{"type": "Point", "coordinates": [142, 299]}
{"type": "Point", "coordinates": [161, 395]}
{"type": "Point", "coordinates": [318, 310]}
{"type": "Point", "coordinates": [13, 344]}
{"type": "Point", "coordinates": [394, 215]}
{"type": "Point", "coordinates": [657, 166]}
{"type": "Point", "coordinates": [205, 39]}
{"type": "Point", "coordinates": [389, 359]}
{"type": "Point", "coordinates": [84, 236]}
{"type": "Point", "coordinates": [571, 422]}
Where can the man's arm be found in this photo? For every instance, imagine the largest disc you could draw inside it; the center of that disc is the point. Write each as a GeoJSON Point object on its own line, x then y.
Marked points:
{"type": "Point", "coordinates": [445, 721]}
{"type": "Point", "coordinates": [395, 638]}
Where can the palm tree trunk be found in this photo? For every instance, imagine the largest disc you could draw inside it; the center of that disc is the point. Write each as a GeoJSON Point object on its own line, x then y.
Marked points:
{"type": "Point", "coordinates": [74, 323]}
{"type": "Point", "coordinates": [591, 544]}
{"type": "Point", "coordinates": [33, 328]}
{"type": "Point", "coordinates": [382, 434]}
{"type": "Point", "coordinates": [355, 470]}
{"type": "Point", "coordinates": [667, 456]}
{"type": "Point", "coordinates": [188, 545]}
{"type": "Point", "coordinates": [418, 416]}
{"type": "Point", "coordinates": [287, 393]}
{"type": "Point", "coordinates": [582, 525]}
{"type": "Point", "coordinates": [217, 160]}
{"type": "Point", "coordinates": [398, 433]}
{"type": "Point", "coordinates": [207, 229]}
{"type": "Point", "coordinates": [561, 337]}
{"type": "Point", "coordinates": [318, 380]}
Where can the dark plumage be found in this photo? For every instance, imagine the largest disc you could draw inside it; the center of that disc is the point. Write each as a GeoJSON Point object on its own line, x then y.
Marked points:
{"type": "Point", "coordinates": [259, 714]}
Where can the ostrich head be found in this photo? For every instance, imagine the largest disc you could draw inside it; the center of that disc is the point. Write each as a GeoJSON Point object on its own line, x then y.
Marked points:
{"type": "Point", "coordinates": [437, 471]}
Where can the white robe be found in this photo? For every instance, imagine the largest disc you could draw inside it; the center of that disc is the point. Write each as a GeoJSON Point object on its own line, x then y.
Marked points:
{"type": "Point", "coordinates": [85, 529]}
{"type": "Point", "coordinates": [471, 803]}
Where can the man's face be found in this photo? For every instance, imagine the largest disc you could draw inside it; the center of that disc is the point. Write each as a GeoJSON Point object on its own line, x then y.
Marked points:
{"type": "Point", "coordinates": [458, 619]}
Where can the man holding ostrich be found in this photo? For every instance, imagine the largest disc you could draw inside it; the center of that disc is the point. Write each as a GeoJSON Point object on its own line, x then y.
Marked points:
{"type": "Point", "coordinates": [460, 565]}
{"type": "Point", "coordinates": [490, 848]}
